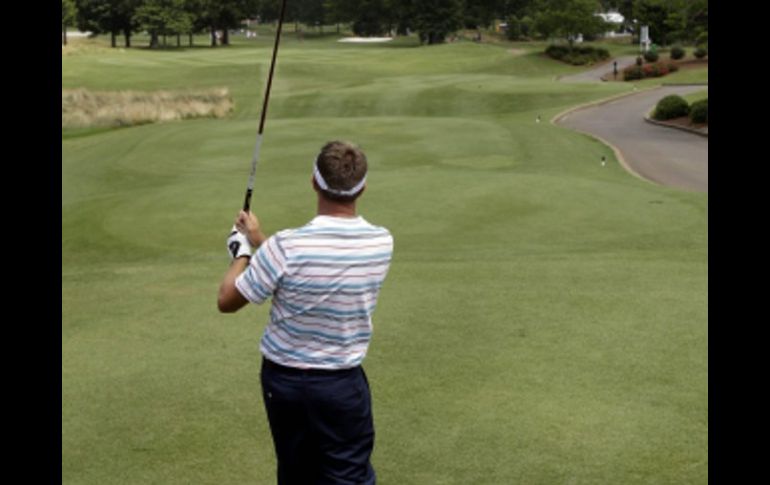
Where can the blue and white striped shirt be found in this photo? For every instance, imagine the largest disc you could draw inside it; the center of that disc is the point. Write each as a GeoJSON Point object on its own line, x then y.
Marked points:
{"type": "Point", "coordinates": [324, 279]}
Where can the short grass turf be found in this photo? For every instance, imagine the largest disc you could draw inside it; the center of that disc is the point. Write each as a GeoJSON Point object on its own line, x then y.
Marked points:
{"type": "Point", "coordinates": [544, 320]}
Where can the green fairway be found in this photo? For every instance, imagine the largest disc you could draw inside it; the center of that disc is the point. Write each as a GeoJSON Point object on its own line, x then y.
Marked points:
{"type": "Point", "coordinates": [544, 320]}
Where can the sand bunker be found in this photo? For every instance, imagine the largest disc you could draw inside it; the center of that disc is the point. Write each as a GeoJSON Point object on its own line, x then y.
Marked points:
{"type": "Point", "coordinates": [366, 39]}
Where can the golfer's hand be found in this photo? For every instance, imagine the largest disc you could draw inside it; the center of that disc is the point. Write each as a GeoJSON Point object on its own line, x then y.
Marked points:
{"type": "Point", "coordinates": [238, 245]}
{"type": "Point", "coordinates": [248, 224]}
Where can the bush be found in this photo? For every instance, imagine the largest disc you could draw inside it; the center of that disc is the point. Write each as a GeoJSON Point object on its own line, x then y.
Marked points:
{"type": "Point", "coordinates": [639, 60]}
{"type": "Point", "coordinates": [556, 51]}
{"type": "Point", "coordinates": [701, 52]}
{"type": "Point", "coordinates": [513, 31]}
{"type": "Point", "coordinates": [699, 111]}
{"type": "Point", "coordinates": [632, 73]}
{"type": "Point", "coordinates": [672, 106]}
{"type": "Point", "coordinates": [578, 55]}
{"type": "Point", "coordinates": [526, 25]}
{"type": "Point", "coordinates": [651, 56]}
{"type": "Point", "coordinates": [677, 52]}
{"type": "Point", "coordinates": [650, 70]}
{"type": "Point", "coordinates": [703, 38]}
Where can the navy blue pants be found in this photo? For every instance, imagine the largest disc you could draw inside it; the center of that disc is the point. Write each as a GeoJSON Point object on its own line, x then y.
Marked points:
{"type": "Point", "coordinates": [321, 423]}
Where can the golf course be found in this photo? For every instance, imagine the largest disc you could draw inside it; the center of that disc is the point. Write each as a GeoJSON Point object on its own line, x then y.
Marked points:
{"type": "Point", "coordinates": [544, 319]}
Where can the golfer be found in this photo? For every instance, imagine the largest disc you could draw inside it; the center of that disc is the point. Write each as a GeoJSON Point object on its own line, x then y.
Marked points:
{"type": "Point", "coordinates": [324, 279]}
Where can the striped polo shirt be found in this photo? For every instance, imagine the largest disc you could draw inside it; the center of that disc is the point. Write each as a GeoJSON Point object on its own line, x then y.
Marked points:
{"type": "Point", "coordinates": [324, 279]}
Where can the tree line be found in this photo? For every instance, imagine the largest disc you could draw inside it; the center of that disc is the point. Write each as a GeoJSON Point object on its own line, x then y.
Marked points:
{"type": "Point", "coordinates": [433, 20]}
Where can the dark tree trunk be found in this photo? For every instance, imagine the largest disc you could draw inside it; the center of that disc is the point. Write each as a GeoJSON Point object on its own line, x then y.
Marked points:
{"type": "Point", "coordinates": [213, 36]}
{"type": "Point", "coordinates": [338, 27]}
{"type": "Point", "coordinates": [153, 40]}
{"type": "Point", "coordinates": [127, 37]}
{"type": "Point", "coordinates": [113, 35]}
{"type": "Point", "coordinates": [164, 40]}
{"type": "Point", "coordinates": [178, 40]}
{"type": "Point", "coordinates": [63, 35]}
{"type": "Point", "coordinates": [191, 39]}
{"type": "Point", "coordinates": [225, 37]}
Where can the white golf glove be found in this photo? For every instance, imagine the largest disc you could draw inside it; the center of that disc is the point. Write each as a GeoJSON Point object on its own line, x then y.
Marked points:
{"type": "Point", "coordinates": [238, 244]}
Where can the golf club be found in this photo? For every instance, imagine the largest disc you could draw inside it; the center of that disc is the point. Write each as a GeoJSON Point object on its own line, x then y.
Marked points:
{"type": "Point", "coordinates": [255, 157]}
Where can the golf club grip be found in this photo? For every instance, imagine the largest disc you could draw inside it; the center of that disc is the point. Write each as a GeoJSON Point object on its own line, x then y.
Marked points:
{"type": "Point", "coordinates": [247, 202]}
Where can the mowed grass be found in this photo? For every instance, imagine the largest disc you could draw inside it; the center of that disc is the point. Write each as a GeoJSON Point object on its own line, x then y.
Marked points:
{"type": "Point", "coordinates": [544, 320]}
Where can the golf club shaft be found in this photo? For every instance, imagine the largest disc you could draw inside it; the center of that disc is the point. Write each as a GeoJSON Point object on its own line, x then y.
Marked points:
{"type": "Point", "coordinates": [258, 144]}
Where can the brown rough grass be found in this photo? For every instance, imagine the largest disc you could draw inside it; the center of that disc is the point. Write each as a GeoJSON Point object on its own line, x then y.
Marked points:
{"type": "Point", "coordinates": [83, 108]}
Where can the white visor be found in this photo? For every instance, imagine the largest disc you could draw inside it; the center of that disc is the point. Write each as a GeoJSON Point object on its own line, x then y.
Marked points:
{"type": "Point", "coordinates": [322, 183]}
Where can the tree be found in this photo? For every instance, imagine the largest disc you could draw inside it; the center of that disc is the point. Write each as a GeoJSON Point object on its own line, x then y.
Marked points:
{"type": "Point", "coordinates": [311, 12]}
{"type": "Point", "coordinates": [569, 18]}
{"type": "Point", "coordinates": [68, 12]}
{"type": "Point", "coordinates": [686, 19]}
{"type": "Point", "coordinates": [370, 18]}
{"type": "Point", "coordinates": [654, 14]}
{"type": "Point", "coordinates": [226, 14]}
{"type": "Point", "coordinates": [513, 31]}
{"type": "Point", "coordinates": [163, 17]}
{"type": "Point", "coordinates": [480, 13]}
{"type": "Point", "coordinates": [435, 19]}
{"type": "Point", "coordinates": [518, 8]}
{"type": "Point", "coordinates": [103, 16]}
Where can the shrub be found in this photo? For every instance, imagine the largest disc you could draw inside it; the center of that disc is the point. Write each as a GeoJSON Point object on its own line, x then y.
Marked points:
{"type": "Point", "coordinates": [650, 70]}
{"type": "Point", "coordinates": [513, 31]}
{"type": "Point", "coordinates": [672, 106]}
{"type": "Point", "coordinates": [632, 73]}
{"type": "Point", "coordinates": [526, 26]}
{"type": "Point", "coordinates": [677, 52]}
{"type": "Point", "coordinates": [699, 111]}
{"type": "Point", "coordinates": [639, 60]}
{"type": "Point", "coordinates": [651, 56]}
{"type": "Point", "coordinates": [701, 52]}
{"type": "Point", "coordinates": [578, 55]}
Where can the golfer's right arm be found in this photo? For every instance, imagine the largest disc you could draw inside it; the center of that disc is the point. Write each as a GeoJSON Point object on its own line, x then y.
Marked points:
{"type": "Point", "coordinates": [230, 299]}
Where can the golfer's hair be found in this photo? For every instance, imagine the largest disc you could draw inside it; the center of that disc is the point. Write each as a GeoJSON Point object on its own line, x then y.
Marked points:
{"type": "Point", "coordinates": [343, 166]}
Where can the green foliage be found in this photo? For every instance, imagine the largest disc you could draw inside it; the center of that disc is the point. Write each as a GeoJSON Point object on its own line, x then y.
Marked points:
{"type": "Point", "coordinates": [672, 106]}
{"type": "Point", "coordinates": [435, 19]}
{"type": "Point", "coordinates": [699, 111]}
{"type": "Point", "coordinates": [513, 31]}
{"type": "Point", "coordinates": [68, 12]}
{"type": "Point", "coordinates": [651, 56]}
{"type": "Point", "coordinates": [672, 20]}
{"type": "Point", "coordinates": [702, 38]}
{"type": "Point", "coordinates": [577, 55]}
{"type": "Point", "coordinates": [701, 52]}
{"type": "Point", "coordinates": [527, 26]}
{"type": "Point", "coordinates": [568, 18]}
{"type": "Point", "coordinates": [677, 52]}
{"type": "Point", "coordinates": [479, 13]}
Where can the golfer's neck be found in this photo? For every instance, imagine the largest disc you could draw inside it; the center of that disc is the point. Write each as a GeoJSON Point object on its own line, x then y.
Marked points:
{"type": "Point", "coordinates": [336, 209]}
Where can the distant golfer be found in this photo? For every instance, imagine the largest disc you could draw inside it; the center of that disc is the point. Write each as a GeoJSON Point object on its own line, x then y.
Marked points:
{"type": "Point", "coordinates": [324, 279]}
